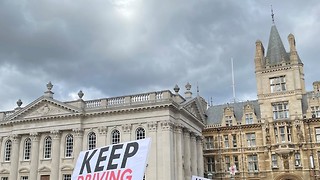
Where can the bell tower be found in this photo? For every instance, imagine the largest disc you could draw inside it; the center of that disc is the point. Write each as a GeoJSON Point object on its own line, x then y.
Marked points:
{"type": "Point", "coordinates": [280, 79]}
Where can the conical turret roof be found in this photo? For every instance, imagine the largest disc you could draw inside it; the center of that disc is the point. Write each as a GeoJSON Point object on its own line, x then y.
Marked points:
{"type": "Point", "coordinates": [276, 53]}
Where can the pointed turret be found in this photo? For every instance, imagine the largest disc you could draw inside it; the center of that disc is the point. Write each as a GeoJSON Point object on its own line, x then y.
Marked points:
{"type": "Point", "coordinates": [276, 53]}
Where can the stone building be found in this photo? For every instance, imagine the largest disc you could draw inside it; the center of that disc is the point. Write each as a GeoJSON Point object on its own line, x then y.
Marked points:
{"type": "Point", "coordinates": [276, 136]}
{"type": "Point", "coordinates": [42, 140]}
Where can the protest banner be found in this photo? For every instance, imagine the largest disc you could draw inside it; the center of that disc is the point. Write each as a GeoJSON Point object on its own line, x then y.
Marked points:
{"type": "Point", "coordinates": [124, 161]}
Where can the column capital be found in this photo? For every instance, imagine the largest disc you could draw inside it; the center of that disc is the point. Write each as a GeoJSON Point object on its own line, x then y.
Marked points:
{"type": "Point", "coordinates": [78, 132]}
{"type": "Point", "coordinates": [126, 128]}
{"type": "Point", "coordinates": [34, 136]}
{"type": "Point", "coordinates": [186, 132]}
{"type": "Point", "coordinates": [167, 125]}
{"type": "Point", "coordinates": [55, 134]}
{"type": "Point", "coordinates": [178, 128]}
{"type": "Point", "coordinates": [152, 126]}
{"type": "Point", "coordinates": [103, 130]}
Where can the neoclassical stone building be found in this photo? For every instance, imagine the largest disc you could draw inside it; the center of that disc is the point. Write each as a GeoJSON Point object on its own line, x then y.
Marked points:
{"type": "Point", "coordinates": [274, 137]}
{"type": "Point", "coordinates": [41, 141]}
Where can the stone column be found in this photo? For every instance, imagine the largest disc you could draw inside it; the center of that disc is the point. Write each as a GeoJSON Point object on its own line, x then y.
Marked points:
{"type": "Point", "coordinates": [167, 149]}
{"type": "Point", "coordinates": [34, 155]}
{"type": "Point", "coordinates": [126, 129]}
{"type": "Point", "coordinates": [152, 159]}
{"type": "Point", "coordinates": [78, 137]}
{"type": "Point", "coordinates": [179, 152]}
{"type": "Point", "coordinates": [55, 135]}
{"type": "Point", "coordinates": [14, 156]}
{"type": "Point", "coordinates": [194, 162]}
{"type": "Point", "coordinates": [102, 139]}
{"type": "Point", "coordinates": [187, 158]}
{"type": "Point", "coordinates": [200, 156]}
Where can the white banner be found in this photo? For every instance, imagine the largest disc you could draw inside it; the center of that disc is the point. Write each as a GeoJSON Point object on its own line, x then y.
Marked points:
{"type": "Point", "coordinates": [198, 178]}
{"type": "Point", "coordinates": [125, 161]}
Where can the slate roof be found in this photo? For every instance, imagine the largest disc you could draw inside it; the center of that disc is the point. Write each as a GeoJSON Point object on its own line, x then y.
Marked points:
{"type": "Point", "coordinates": [215, 113]}
{"type": "Point", "coordinates": [276, 52]}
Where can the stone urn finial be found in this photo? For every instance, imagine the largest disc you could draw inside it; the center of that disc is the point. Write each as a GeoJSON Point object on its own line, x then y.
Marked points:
{"type": "Point", "coordinates": [176, 89]}
{"type": "Point", "coordinates": [49, 86]}
{"type": "Point", "coordinates": [19, 103]}
{"type": "Point", "coordinates": [80, 94]}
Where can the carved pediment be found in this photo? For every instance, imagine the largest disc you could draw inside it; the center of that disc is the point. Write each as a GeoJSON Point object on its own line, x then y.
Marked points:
{"type": "Point", "coordinates": [4, 171]}
{"type": "Point", "coordinates": [44, 169]}
{"type": "Point", "coordinates": [43, 107]}
{"type": "Point", "coordinates": [46, 109]}
{"type": "Point", "coordinates": [193, 109]}
{"type": "Point", "coordinates": [24, 170]}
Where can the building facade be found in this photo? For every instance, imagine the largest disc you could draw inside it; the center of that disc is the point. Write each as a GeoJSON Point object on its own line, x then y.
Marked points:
{"type": "Point", "coordinates": [42, 140]}
{"type": "Point", "coordinates": [276, 136]}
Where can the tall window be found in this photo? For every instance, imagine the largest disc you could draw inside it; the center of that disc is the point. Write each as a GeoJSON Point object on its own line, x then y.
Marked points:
{"type": "Point", "coordinates": [317, 135]}
{"type": "Point", "coordinates": [47, 147]}
{"type": "Point", "coordinates": [318, 157]}
{"type": "Point", "coordinates": [209, 142]}
{"type": "Point", "coordinates": [67, 177]}
{"type": "Point", "coordinates": [278, 84]}
{"type": "Point", "coordinates": [7, 151]}
{"type": "Point", "coordinates": [140, 133]}
{"type": "Point", "coordinates": [226, 141]}
{"type": "Point", "coordinates": [27, 149]}
{"type": "Point", "coordinates": [249, 118]}
{"type": "Point", "coordinates": [69, 146]}
{"type": "Point", "coordinates": [4, 178]}
{"type": "Point", "coordinates": [289, 133]}
{"type": "Point", "coordinates": [115, 137]}
{"type": "Point", "coordinates": [252, 163]}
{"type": "Point", "coordinates": [210, 164]}
{"type": "Point", "coordinates": [234, 140]}
{"type": "Point", "coordinates": [315, 110]}
{"type": "Point", "coordinates": [228, 120]}
{"type": "Point", "coordinates": [280, 110]}
{"type": "Point", "coordinates": [227, 161]}
{"type": "Point", "coordinates": [282, 134]}
{"type": "Point", "coordinates": [251, 139]}
{"type": "Point", "coordinates": [274, 159]}
{"type": "Point", "coordinates": [92, 140]}
{"type": "Point", "coordinates": [24, 178]}
{"type": "Point", "coordinates": [276, 134]}
{"type": "Point", "coordinates": [297, 158]}
{"type": "Point", "coordinates": [236, 161]}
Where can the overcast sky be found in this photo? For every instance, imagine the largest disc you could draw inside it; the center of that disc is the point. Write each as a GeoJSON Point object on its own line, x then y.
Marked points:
{"type": "Point", "coordinates": [111, 48]}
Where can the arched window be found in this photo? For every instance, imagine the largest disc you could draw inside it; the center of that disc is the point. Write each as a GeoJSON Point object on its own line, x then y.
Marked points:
{"type": "Point", "coordinates": [92, 139]}
{"type": "Point", "coordinates": [47, 147]}
{"type": "Point", "coordinates": [7, 150]}
{"type": "Point", "coordinates": [115, 137]}
{"type": "Point", "coordinates": [69, 146]}
{"type": "Point", "coordinates": [140, 133]}
{"type": "Point", "coordinates": [27, 149]}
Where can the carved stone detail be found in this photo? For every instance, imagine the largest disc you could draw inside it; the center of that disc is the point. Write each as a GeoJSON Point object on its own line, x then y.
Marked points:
{"type": "Point", "coordinates": [152, 126]}
{"type": "Point", "coordinates": [103, 130]}
{"type": "Point", "coordinates": [78, 132]}
{"type": "Point", "coordinates": [126, 128]}
{"type": "Point", "coordinates": [178, 128]}
{"type": "Point", "coordinates": [34, 136]}
{"type": "Point", "coordinates": [55, 134]}
{"type": "Point", "coordinates": [166, 125]}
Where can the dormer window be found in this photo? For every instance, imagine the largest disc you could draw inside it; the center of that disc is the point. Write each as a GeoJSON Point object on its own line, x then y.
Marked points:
{"type": "Point", "coordinates": [278, 84]}
{"type": "Point", "coordinates": [249, 118]}
{"type": "Point", "coordinates": [228, 120]}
